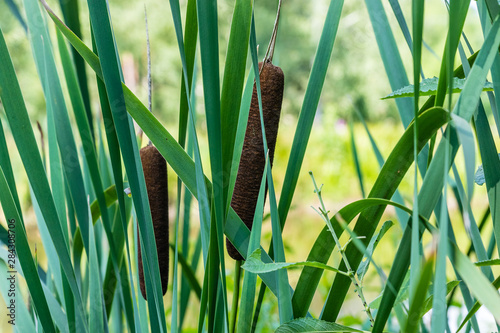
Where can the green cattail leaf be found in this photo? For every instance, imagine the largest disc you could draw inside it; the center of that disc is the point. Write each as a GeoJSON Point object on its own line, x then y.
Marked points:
{"type": "Point", "coordinates": [22, 251]}
{"type": "Point", "coordinates": [493, 8]}
{"type": "Point", "coordinates": [233, 81]}
{"type": "Point", "coordinates": [175, 155]}
{"type": "Point", "coordinates": [46, 67]}
{"type": "Point", "coordinates": [418, 299]}
{"type": "Point", "coordinates": [428, 302]}
{"type": "Point", "coordinates": [109, 62]}
{"type": "Point", "coordinates": [431, 188]}
{"type": "Point", "coordinates": [491, 167]}
{"type": "Point", "coordinates": [6, 165]}
{"type": "Point", "coordinates": [355, 157]}
{"type": "Point", "coordinates": [477, 306]}
{"type": "Point", "coordinates": [363, 266]}
{"type": "Point", "coordinates": [22, 320]}
{"type": "Point", "coordinates": [303, 325]}
{"type": "Point", "coordinates": [284, 295]}
{"type": "Point", "coordinates": [388, 180]}
{"type": "Point", "coordinates": [390, 55]}
{"type": "Point", "coordinates": [471, 225]}
{"type": "Point", "coordinates": [209, 54]}
{"type": "Point", "coordinates": [397, 197]}
{"type": "Point", "coordinates": [190, 273]}
{"type": "Point", "coordinates": [97, 322]}
{"type": "Point", "coordinates": [71, 14]}
{"type": "Point", "coordinates": [186, 236]}
{"type": "Point", "coordinates": [110, 196]}
{"type": "Point", "coordinates": [254, 264]}
{"type": "Point", "coordinates": [17, 14]}
{"type": "Point", "coordinates": [19, 122]}
{"type": "Point", "coordinates": [250, 279]}
{"type": "Point", "coordinates": [190, 39]}
{"type": "Point", "coordinates": [457, 14]}
{"type": "Point", "coordinates": [484, 291]}
{"type": "Point", "coordinates": [429, 86]}
{"type": "Point", "coordinates": [491, 262]}
{"type": "Point", "coordinates": [86, 137]}
{"type": "Point", "coordinates": [309, 107]}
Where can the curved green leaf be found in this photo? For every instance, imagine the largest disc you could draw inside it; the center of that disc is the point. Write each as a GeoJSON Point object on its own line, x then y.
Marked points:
{"type": "Point", "coordinates": [418, 300]}
{"type": "Point", "coordinates": [431, 189]}
{"type": "Point", "coordinates": [188, 273]}
{"type": "Point", "coordinates": [175, 155]}
{"type": "Point", "coordinates": [309, 106]}
{"type": "Point", "coordinates": [254, 264]}
{"type": "Point", "coordinates": [303, 325]}
{"type": "Point", "coordinates": [388, 180]}
{"type": "Point", "coordinates": [491, 262]}
{"type": "Point", "coordinates": [477, 306]}
{"type": "Point", "coordinates": [429, 87]}
{"type": "Point", "coordinates": [19, 122]}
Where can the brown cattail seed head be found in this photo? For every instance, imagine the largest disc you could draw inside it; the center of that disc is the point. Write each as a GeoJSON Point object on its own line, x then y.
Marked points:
{"type": "Point", "coordinates": [253, 159]}
{"type": "Point", "coordinates": [155, 174]}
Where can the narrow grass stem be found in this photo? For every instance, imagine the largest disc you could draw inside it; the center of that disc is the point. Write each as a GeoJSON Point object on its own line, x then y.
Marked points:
{"type": "Point", "coordinates": [350, 273]}
{"type": "Point", "coordinates": [236, 295]}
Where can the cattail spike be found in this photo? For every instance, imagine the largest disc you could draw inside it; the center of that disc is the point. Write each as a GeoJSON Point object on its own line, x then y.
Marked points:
{"type": "Point", "coordinates": [252, 163]}
{"type": "Point", "coordinates": [155, 174]}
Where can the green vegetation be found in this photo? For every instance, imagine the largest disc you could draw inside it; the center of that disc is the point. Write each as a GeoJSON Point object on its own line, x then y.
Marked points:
{"type": "Point", "coordinates": [372, 218]}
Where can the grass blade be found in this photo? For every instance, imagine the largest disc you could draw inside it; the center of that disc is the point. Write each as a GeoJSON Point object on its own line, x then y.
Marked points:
{"type": "Point", "coordinates": [111, 75]}
{"type": "Point", "coordinates": [478, 284]}
{"type": "Point", "coordinates": [15, 11]}
{"type": "Point", "coordinates": [387, 181]}
{"type": "Point", "coordinates": [255, 265]}
{"type": "Point", "coordinates": [190, 39]}
{"type": "Point", "coordinates": [97, 322]}
{"type": "Point", "coordinates": [284, 296]}
{"type": "Point", "coordinates": [391, 58]}
{"type": "Point", "coordinates": [429, 194]}
{"type": "Point", "coordinates": [356, 159]}
{"type": "Point", "coordinates": [250, 279]}
{"type": "Point", "coordinates": [313, 325]}
{"type": "Point", "coordinates": [23, 252]}
{"type": "Point", "coordinates": [476, 307]}
{"type": "Point", "coordinates": [71, 14]}
{"type": "Point", "coordinates": [6, 166]}
{"type": "Point", "coordinates": [419, 297]}
{"type": "Point", "coordinates": [309, 107]}
{"type": "Point", "coordinates": [209, 50]}
{"type": "Point", "coordinates": [19, 122]}
{"type": "Point", "coordinates": [176, 157]}
{"type": "Point", "coordinates": [232, 84]}
{"type": "Point", "coordinates": [491, 167]}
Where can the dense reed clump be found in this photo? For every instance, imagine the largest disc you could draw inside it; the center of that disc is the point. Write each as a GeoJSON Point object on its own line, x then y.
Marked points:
{"type": "Point", "coordinates": [252, 163]}
{"type": "Point", "coordinates": [155, 174]}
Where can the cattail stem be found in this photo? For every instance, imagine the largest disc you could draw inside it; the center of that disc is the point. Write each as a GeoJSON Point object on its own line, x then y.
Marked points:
{"type": "Point", "coordinates": [270, 49]}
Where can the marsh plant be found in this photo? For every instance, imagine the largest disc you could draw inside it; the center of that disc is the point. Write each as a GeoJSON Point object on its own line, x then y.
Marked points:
{"type": "Point", "coordinates": [100, 201]}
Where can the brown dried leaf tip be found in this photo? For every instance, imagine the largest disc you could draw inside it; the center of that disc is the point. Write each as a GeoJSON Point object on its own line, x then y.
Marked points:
{"type": "Point", "coordinates": [252, 163]}
{"type": "Point", "coordinates": [155, 174]}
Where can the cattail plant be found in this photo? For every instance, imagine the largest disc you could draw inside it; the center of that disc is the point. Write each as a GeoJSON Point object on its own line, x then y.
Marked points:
{"type": "Point", "coordinates": [253, 159]}
{"type": "Point", "coordinates": [155, 174]}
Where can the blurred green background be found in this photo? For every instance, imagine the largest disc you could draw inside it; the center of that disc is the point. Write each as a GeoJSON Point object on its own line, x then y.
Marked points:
{"type": "Point", "coordinates": [356, 81]}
